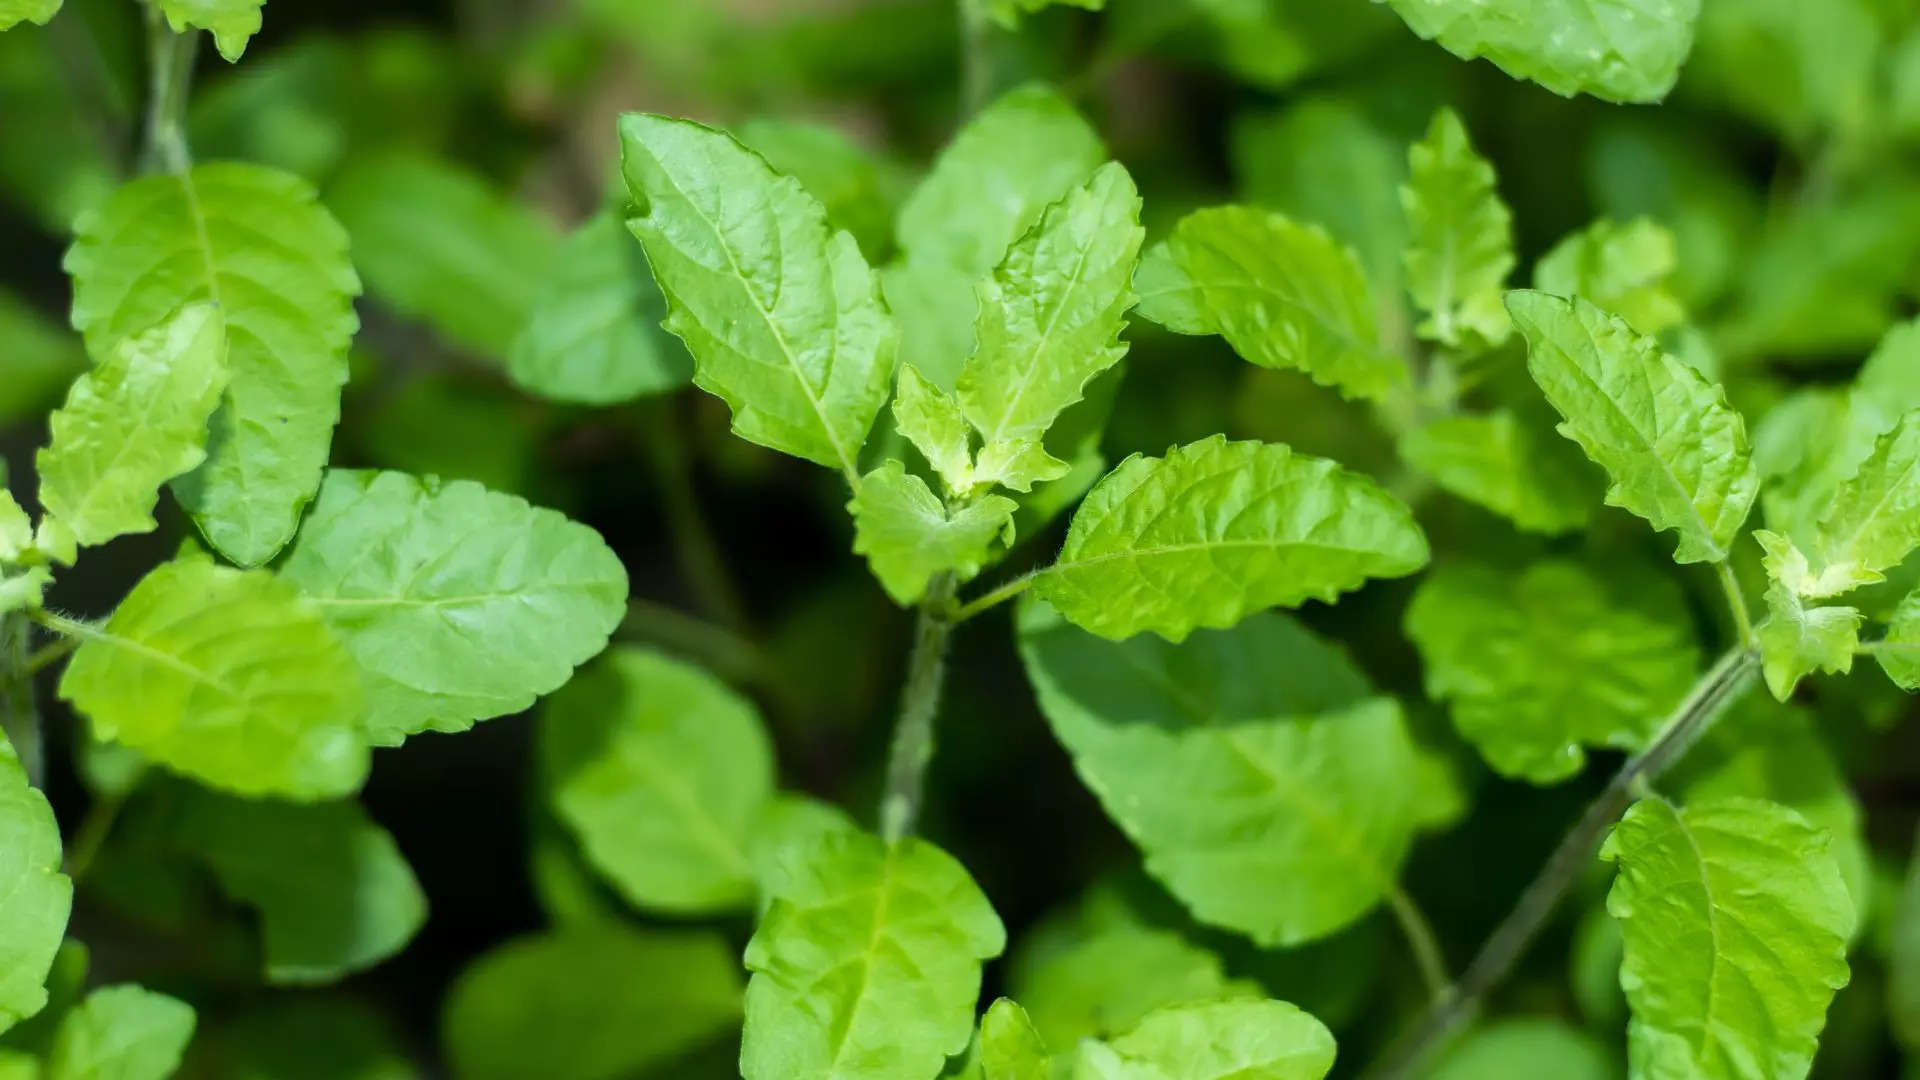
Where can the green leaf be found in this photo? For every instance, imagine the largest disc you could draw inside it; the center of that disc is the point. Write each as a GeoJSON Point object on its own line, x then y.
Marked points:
{"type": "Point", "coordinates": [442, 245]}
{"type": "Point", "coordinates": [1223, 1040]}
{"type": "Point", "coordinates": [1801, 71]}
{"type": "Point", "coordinates": [1874, 521]}
{"type": "Point", "coordinates": [931, 420]}
{"type": "Point", "coordinates": [592, 336]}
{"type": "Point", "coordinates": [231, 22]}
{"type": "Point", "coordinates": [1052, 311]}
{"type": "Point", "coordinates": [1620, 50]}
{"type": "Point", "coordinates": [26, 589]}
{"type": "Point", "coordinates": [34, 895]}
{"type": "Point", "coordinates": [784, 321]}
{"type": "Point", "coordinates": [460, 604]}
{"type": "Point", "coordinates": [1540, 665]}
{"type": "Point", "coordinates": [1899, 651]}
{"type": "Point", "coordinates": [121, 1033]}
{"type": "Point", "coordinates": [1019, 155]}
{"type": "Point", "coordinates": [42, 358]}
{"type": "Point", "coordinates": [1764, 750]}
{"type": "Point", "coordinates": [600, 1001]}
{"type": "Point", "coordinates": [1675, 450]}
{"type": "Point", "coordinates": [1010, 1048]}
{"type": "Point", "coordinates": [1269, 790]}
{"type": "Point", "coordinates": [333, 893]}
{"type": "Point", "coordinates": [1008, 12]}
{"type": "Point", "coordinates": [857, 187]}
{"type": "Point", "coordinates": [135, 421]}
{"type": "Point", "coordinates": [1735, 922]}
{"type": "Point", "coordinates": [1217, 530]}
{"type": "Point", "coordinates": [228, 676]}
{"type": "Point", "coordinates": [1460, 243]}
{"type": "Point", "coordinates": [867, 964]}
{"type": "Point", "coordinates": [1507, 465]}
{"type": "Point", "coordinates": [14, 12]}
{"type": "Point", "coordinates": [1621, 268]}
{"type": "Point", "coordinates": [256, 243]}
{"type": "Point", "coordinates": [662, 773]}
{"type": "Point", "coordinates": [1019, 464]}
{"type": "Point", "coordinates": [16, 528]}
{"type": "Point", "coordinates": [908, 535]}
{"type": "Point", "coordinates": [1284, 295]}
{"type": "Point", "coordinates": [1797, 640]}
{"type": "Point", "coordinates": [1527, 1046]}
{"type": "Point", "coordinates": [307, 1038]}
{"type": "Point", "coordinates": [1016, 157]}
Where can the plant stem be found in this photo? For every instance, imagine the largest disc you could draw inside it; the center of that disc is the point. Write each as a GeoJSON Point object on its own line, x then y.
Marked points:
{"type": "Point", "coordinates": [913, 732]}
{"type": "Point", "coordinates": [19, 712]}
{"type": "Point", "coordinates": [717, 647]}
{"type": "Point", "coordinates": [1736, 600]}
{"type": "Point", "coordinates": [693, 544]}
{"type": "Point", "coordinates": [93, 89]}
{"type": "Point", "coordinates": [995, 598]}
{"type": "Point", "coordinates": [92, 834]}
{"type": "Point", "coordinates": [976, 67]}
{"type": "Point", "coordinates": [1426, 947]}
{"type": "Point", "coordinates": [170, 58]}
{"type": "Point", "coordinates": [1510, 939]}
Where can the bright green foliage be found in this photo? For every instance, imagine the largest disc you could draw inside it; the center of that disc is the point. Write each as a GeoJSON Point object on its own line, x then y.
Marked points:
{"type": "Point", "coordinates": [231, 22]}
{"type": "Point", "coordinates": [1015, 158]}
{"type": "Point", "coordinates": [595, 1002]}
{"type": "Point", "coordinates": [255, 242]}
{"type": "Point", "coordinates": [1541, 664]}
{"type": "Point", "coordinates": [34, 895]}
{"type": "Point", "coordinates": [857, 186]}
{"type": "Point", "coordinates": [662, 773]}
{"type": "Point", "coordinates": [441, 245]}
{"type": "Point", "coordinates": [1500, 461]}
{"type": "Point", "coordinates": [13, 12]}
{"type": "Point", "coordinates": [1283, 294]}
{"type": "Point", "coordinates": [1899, 651]}
{"type": "Point", "coordinates": [1010, 1049]}
{"type": "Point", "coordinates": [931, 419]}
{"type": "Point", "coordinates": [1225, 1040]}
{"type": "Point", "coordinates": [1268, 789]}
{"type": "Point", "coordinates": [1735, 921]}
{"type": "Point", "coordinates": [908, 535]}
{"type": "Point", "coordinates": [42, 359]}
{"type": "Point", "coordinates": [1764, 750]}
{"type": "Point", "coordinates": [1531, 1046]}
{"type": "Point", "coordinates": [592, 336]}
{"type": "Point", "coordinates": [1874, 521]}
{"type": "Point", "coordinates": [137, 420]}
{"type": "Point", "coordinates": [26, 589]}
{"type": "Point", "coordinates": [333, 892]}
{"type": "Point", "coordinates": [1217, 530]}
{"type": "Point", "coordinates": [1676, 452]}
{"type": "Point", "coordinates": [228, 676]}
{"type": "Point", "coordinates": [1051, 311]}
{"type": "Point", "coordinates": [1102, 970]}
{"type": "Point", "coordinates": [783, 319]}
{"type": "Point", "coordinates": [1617, 50]}
{"type": "Point", "coordinates": [1802, 71]}
{"type": "Point", "coordinates": [1007, 12]}
{"type": "Point", "coordinates": [121, 1033]}
{"type": "Point", "coordinates": [1460, 242]}
{"type": "Point", "coordinates": [1797, 640]}
{"type": "Point", "coordinates": [866, 966]}
{"type": "Point", "coordinates": [1621, 268]}
{"type": "Point", "coordinates": [459, 603]}
{"type": "Point", "coordinates": [16, 528]}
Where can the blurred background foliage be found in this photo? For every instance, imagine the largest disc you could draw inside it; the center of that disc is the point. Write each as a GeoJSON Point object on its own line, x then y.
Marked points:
{"type": "Point", "coordinates": [464, 142]}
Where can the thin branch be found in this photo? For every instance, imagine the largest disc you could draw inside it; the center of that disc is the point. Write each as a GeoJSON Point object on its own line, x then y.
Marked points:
{"type": "Point", "coordinates": [995, 598]}
{"type": "Point", "coordinates": [913, 732]}
{"type": "Point", "coordinates": [19, 711]}
{"type": "Point", "coordinates": [1736, 601]}
{"type": "Point", "coordinates": [1426, 946]}
{"type": "Point", "coordinates": [170, 59]}
{"type": "Point", "coordinates": [694, 547]}
{"type": "Point", "coordinates": [976, 66]}
{"type": "Point", "coordinates": [1728, 676]}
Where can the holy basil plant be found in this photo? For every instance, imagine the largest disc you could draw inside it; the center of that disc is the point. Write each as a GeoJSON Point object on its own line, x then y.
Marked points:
{"type": "Point", "coordinates": [1214, 628]}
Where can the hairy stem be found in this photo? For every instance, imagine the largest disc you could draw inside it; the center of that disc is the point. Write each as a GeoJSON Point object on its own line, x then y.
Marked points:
{"type": "Point", "coordinates": [1736, 601]}
{"type": "Point", "coordinates": [19, 712]}
{"type": "Point", "coordinates": [913, 732]}
{"type": "Point", "coordinates": [1728, 676]}
{"type": "Point", "coordinates": [995, 598]}
{"type": "Point", "coordinates": [170, 58]}
{"type": "Point", "coordinates": [1426, 947]}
